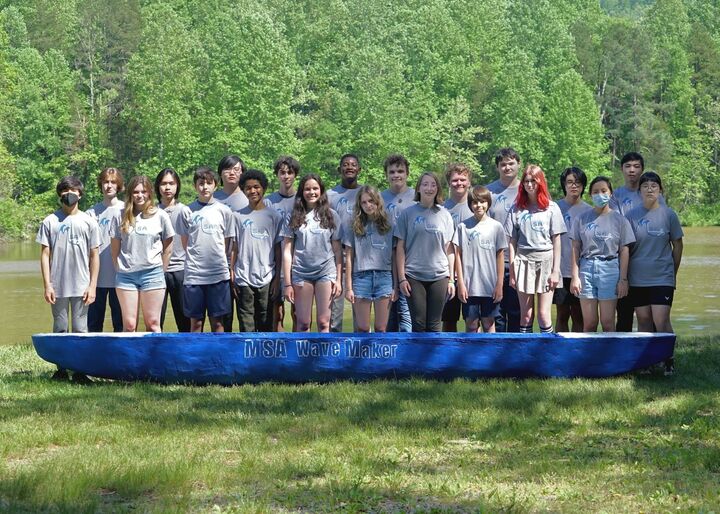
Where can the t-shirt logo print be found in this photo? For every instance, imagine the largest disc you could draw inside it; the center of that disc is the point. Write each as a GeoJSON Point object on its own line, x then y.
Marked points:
{"type": "Point", "coordinates": [429, 227]}
{"type": "Point", "coordinates": [257, 234]}
{"type": "Point", "coordinates": [645, 223]}
{"type": "Point", "coordinates": [208, 228]}
{"type": "Point", "coordinates": [597, 233]}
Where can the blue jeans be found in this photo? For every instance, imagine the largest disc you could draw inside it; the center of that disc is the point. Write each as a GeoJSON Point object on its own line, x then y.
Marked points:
{"type": "Point", "coordinates": [399, 320]}
{"type": "Point", "coordinates": [508, 319]}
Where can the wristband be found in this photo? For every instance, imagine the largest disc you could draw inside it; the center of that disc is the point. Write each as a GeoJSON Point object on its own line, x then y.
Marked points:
{"type": "Point", "coordinates": [287, 285]}
{"type": "Point", "coordinates": [403, 280]}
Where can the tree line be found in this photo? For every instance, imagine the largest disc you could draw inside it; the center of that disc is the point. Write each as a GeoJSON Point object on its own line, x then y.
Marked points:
{"type": "Point", "coordinates": [143, 85]}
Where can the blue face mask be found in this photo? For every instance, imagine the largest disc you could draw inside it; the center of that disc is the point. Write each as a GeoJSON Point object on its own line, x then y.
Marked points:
{"type": "Point", "coordinates": [600, 199]}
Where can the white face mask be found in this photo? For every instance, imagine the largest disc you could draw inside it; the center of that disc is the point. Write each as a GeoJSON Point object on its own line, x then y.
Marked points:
{"type": "Point", "coordinates": [600, 199]}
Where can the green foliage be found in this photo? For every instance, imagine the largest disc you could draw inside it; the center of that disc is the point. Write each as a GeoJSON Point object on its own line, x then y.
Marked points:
{"type": "Point", "coordinates": [86, 84]}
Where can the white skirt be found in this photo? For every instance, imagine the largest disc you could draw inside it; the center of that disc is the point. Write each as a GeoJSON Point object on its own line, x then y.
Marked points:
{"type": "Point", "coordinates": [532, 271]}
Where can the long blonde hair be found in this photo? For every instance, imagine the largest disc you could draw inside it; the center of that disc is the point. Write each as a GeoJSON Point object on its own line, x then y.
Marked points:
{"type": "Point", "coordinates": [360, 219]}
{"type": "Point", "coordinates": [128, 217]}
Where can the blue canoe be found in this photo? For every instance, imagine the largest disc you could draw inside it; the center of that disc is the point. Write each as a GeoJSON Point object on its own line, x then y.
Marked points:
{"type": "Point", "coordinates": [240, 358]}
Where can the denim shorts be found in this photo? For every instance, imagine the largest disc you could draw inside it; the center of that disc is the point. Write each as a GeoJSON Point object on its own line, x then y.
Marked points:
{"type": "Point", "coordinates": [372, 284]}
{"type": "Point", "coordinates": [143, 280]}
{"type": "Point", "coordinates": [599, 279]}
{"type": "Point", "coordinates": [480, 307]}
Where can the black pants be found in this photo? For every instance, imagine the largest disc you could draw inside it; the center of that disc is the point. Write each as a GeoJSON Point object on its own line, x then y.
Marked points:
{"type": "Point", "coordinates": [174, 289]}
{"type": "Point", "coordinates": [254, 309]}
{"type": "Point", "coordinates": [508, 318]}
{"type": "Point", "coordinates": [426, 302]}
{"type": "Point", "coordinates": [96, 311]}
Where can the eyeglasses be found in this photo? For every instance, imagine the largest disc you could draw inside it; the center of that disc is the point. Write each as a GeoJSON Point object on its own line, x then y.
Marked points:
{"type": "Point", "coordinates": [569, 183]}
{"type": "Point", "coordinates": [650, 186]}
{"type": "Point", "coordinates": [237, 167]}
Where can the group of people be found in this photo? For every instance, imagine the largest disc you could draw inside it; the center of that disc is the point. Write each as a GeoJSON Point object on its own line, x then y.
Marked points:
{"type": "Point", "coordinates": [499, 254]}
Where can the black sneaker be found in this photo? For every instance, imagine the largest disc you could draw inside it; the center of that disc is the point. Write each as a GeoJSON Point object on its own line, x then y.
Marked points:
{"type": "Point", "coordinates": [669, 367]}
{"type": "Point", "coordinates": [81, 378]}
{"type": "Point", "coordinates": [61, 375]}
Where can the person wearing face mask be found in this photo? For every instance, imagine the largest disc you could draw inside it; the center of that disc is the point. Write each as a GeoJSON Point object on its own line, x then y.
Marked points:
{"type": "Point", "coordinates": [600, 254]}
{"type": "Point", "coordinates": [69, 262]}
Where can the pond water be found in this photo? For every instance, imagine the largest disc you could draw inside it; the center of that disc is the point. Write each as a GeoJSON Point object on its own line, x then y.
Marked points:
{"type": "Point", "coordinates": [696, 309]}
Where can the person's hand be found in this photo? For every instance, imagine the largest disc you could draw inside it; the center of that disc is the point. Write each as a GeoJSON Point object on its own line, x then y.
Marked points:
{"type": "Point", "coordinates": [575, 286]}
{"type": "Point", "coordinates": [497, 294]}
{"type": "Point", "coordinates": [462, 293]}
{"type": "Point", "coordinates": [450, 290]}
{"type": "Point", "coordinates": [350, 295]}
{"type": "Point", "coordinates": [553, 280]}
{"type": "Point", "coordinates": [89, 296]}
{"type": "Point", "coordinates": [622, 288]}
{"type": "Point", "coordinates": [289, 292]}
{"type": "Point", "coordinates": [405, 287]}
{"type": "Point", "coordinates": [50, 294]}
{"type": "Point", "coordinates": [336, 289]}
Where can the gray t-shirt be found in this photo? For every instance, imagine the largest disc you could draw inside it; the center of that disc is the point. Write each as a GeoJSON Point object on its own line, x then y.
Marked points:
{"type": "Point", "coordinates": [480, 243]}
{"type": "Point", "coordinates": [601, 235]}
{"type": "Point", "coordinates": [624, 200]}
{"type": "Point", "coordinates": [313, 253]}
{"type": "Point", "coordinates": [177, 257]}
{"type": "Point", "coordinates": [142, 246]}
{"type": "Point", "coordinates": [425, 233]}
{"type": "Point", "coordinates": [70, 239]}
{"type": "Point", "coordinates": [206, 226]}
{"type": "Point", "coordinates": [395, 204]}
{"type": "Point", "coordinates": [503, 200]}
{"type": "Point", "coordinates": [281, 204]}
{"type": "Point", "coordinates": [651, 262]}
{"type": "Point", "coordinates": [533, 229]}
{"type": "Point", "coordinates": [104, 215]}
{"type": "Point", "coordinates": [235, 201]}
{"type": "Point", "coordinates": [372, 251]}
{"type": "Point", "coordinates": [459, 211]}
{"type": "Point", "coordinates": [342, 201]}
{"type": "Point", "coordinates": [256, 234]}
{"type": "Point", "coordinates": [570, 214]}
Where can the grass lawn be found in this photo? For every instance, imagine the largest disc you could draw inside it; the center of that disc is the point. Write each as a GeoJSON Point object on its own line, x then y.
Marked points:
{"type": "Point", "coordinates": [640, 443]}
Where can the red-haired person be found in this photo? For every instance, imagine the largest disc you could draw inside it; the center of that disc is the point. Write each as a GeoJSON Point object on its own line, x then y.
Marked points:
{"type": "Point", "coordinates": [534, 227]}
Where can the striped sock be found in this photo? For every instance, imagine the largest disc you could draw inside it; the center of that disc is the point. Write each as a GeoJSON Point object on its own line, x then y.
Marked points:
{"type": "Point", "coordinates": [546, 330]}
{"type": "Point", "coordinates": [526, 329]}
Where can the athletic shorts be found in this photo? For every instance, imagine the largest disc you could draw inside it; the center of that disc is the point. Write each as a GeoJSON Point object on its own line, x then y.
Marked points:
{"type": "Point", "coordinates": [599, 279]}
{"type": "Point", "coordinates": [143, 280]}
{"type": "Point", "coordinates": [563, 296]}
{"type": "Point", "coordinates": [213, 298]}
{"type": "Point", "coordinates": [451, 311]}
{"type": "Point", "coordinates": [372, 284]}
{"type": "Point", "coordinates": [653, 295]}
{"type": "Point", "coordinates": [480, 307]}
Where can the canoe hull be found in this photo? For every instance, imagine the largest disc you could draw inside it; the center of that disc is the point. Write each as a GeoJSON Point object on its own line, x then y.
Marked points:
{"type": "Point", "coordinates": [296, 358]}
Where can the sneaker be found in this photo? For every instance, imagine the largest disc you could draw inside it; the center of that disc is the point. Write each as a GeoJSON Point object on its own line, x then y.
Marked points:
{"type": "Point", "coordinates": [669, 367]}
{"type": "Point", "coordinates": [81, 378]}
{"type": "Point", "coordinates": [60, 375]}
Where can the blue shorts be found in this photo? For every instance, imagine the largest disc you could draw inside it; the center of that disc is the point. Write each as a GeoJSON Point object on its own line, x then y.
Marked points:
{"type": "Point", "coordinates": [599, 279]}
{"type": "Point", "coordinates": [213, 298]}
{"type": "Point", "coordinates": [480, 307]}
{"type": "Point", "coordinates": [372, 284]}
{"type": "Point", "coordinates": [143, 280]}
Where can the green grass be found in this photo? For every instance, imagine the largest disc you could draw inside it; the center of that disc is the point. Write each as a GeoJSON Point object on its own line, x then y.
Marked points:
{"type": "Point", "coordinates": [627, 444]}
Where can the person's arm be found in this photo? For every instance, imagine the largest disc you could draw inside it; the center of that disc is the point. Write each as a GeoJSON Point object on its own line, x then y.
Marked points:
{"type": "Point", "coordinates": [94, 265]}
{"type": "Point", "coordinates": [555, 279]}
{"type": "Point", "coordinates": [500, 265]}
{"type": "Point", "coordinates": [574, 267]}
{"type": "Point", "coordinates": [184, 241]}
{"type": "Point", "coordinates": [512, 248]}
{"type": "Point", "coordinates": [349, 293]}
{"type": "Point", "coordinates": [115, 251]}
{"type": "Point", "coordinates": [45, 270]}
{"type": "Point", "coordinates": [287, 289]}
{"type": "Point", "coordinates": [403, 283]}
{"type": "Point", "coordinates": [622, 286]}
{"type": "Point", "coordinates": [275, 282]}
{"type": "Point", "coordinates": [450, 252]}
{"type": "Point", "coordinates": [393, 272]}
{"type": "Point", "coordinates": [233, 257]}
{"type": "Point", "coordinates": [462, 292]}
{"type": "Point", "coordinates": [166, 252]}
{"type": "Point", "coordinates": [337, 253]}
{"type": "Point", "coordinates": [677, 251]}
